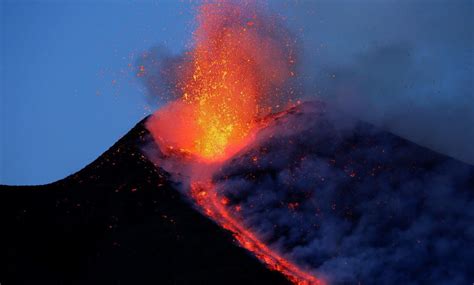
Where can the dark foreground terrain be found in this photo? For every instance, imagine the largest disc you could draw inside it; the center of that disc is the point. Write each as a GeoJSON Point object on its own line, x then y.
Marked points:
{"type": "Point", "coordinates": [117, 221]}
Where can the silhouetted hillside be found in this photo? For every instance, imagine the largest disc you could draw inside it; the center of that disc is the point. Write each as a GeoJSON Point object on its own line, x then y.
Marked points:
{"type": "Point", "coordinates": [117, 221]}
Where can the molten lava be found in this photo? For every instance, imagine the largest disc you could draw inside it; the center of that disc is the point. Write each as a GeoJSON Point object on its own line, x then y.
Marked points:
{"type": "Point", "coordinates": [236, 73]}
{"type": "Point", "coordinates": [215, 208]}
{"type": "Point", "coordinates": [239, 58]}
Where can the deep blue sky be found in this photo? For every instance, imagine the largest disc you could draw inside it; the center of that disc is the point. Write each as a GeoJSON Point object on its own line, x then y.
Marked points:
{"type": "Point", "coordinates": [59, 107]}
{"type": "Point", "coordinates": [67, 92]}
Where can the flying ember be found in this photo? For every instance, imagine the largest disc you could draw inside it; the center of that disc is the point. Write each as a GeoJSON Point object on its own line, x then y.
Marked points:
{"type": "Point", "coordinates": [231, 78]}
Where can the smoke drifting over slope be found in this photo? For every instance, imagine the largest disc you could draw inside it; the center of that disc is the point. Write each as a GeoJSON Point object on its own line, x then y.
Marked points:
{"type": "Point", "coordinates": [353, 203]}
{"type": "Point", "coordinates": [343, 200]}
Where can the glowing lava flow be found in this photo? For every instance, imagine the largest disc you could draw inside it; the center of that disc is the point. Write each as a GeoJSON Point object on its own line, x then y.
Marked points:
{"type": "Point", "coordinates": [215, 208]}
{"type": "Point", "coordinates": [232, 77]}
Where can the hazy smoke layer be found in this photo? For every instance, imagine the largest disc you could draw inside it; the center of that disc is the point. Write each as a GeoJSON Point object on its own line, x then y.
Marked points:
{"type": "Point", "coordinates": [407, 66]}
{"type": "Point", "coordinates": [353, 203]}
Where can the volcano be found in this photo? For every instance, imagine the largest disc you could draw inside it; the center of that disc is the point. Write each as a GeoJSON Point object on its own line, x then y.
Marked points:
{"type": "Point", "coordinates": [117, 221]}
{"type": "Point", "coordinates": [340, 199]}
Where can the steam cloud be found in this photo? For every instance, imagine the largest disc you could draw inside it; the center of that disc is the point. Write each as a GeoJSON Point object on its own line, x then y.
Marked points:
{"type": "Point", "coordinates": [353, 203]}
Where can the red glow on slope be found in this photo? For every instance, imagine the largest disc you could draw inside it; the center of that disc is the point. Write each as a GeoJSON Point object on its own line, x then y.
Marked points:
{"type": "Point", "coordinates": [215, 208]}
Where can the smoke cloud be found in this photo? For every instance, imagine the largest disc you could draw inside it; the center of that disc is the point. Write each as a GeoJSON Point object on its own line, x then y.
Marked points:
{"type": "Point", "coordinates": [404, 65]}
{"type": "Point", "coordinates": [352, 203]}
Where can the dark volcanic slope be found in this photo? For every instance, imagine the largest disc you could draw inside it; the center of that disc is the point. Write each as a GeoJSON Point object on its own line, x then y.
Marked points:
{"type": "Point", "coordinates": [117, 221]}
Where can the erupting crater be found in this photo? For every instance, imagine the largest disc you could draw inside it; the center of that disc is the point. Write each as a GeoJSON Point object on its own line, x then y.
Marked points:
{"type": "Point", "coordinates": [238, 71]}
{"type": "Point", "coordinates": [233, 76]}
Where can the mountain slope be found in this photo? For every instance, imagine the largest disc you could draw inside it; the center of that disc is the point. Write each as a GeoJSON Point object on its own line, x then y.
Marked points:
{"type": "Point", "coordinates": [117, 221]}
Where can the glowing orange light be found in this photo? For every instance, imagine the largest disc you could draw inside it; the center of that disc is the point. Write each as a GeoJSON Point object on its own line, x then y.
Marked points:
{"type": "Point", "coordinates": [247, 239]}
{"type": "Point", "coordinates": [235, 62]}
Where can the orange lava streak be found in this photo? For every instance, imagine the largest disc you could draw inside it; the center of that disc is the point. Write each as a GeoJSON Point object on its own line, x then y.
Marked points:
{"type": "Point", "coordinates": [215, 208]}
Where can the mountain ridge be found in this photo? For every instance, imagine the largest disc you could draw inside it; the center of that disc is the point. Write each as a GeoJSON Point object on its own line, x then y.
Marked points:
{"type": "Point", "coordinates": [117, 221]}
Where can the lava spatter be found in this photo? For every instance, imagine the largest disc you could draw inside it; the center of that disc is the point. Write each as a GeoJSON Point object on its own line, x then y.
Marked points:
{"type": "Point", "coordinates": [240, 62]}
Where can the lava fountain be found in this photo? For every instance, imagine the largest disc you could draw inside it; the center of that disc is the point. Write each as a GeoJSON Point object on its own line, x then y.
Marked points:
{"type": "Point", "coordinates": [240, 57]}
{"type": "Point", "coordinates": [239, 70]}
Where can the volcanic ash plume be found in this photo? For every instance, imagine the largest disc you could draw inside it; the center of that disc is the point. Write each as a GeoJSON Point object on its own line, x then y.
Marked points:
{"type": "Point", "coordinates": [353, 203]}
{"type": "Point", "coordinates": [319, 197]}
